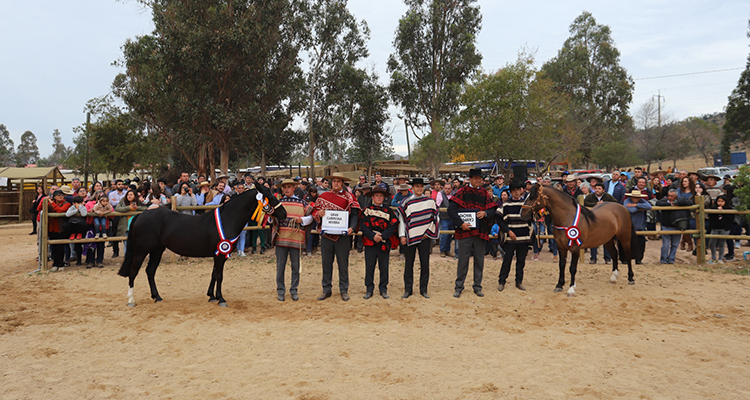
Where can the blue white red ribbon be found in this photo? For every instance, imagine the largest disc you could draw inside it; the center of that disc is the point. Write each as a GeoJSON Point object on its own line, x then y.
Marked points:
{"type": "Point", "coordinates": [572, 232]}
{"type": "Point", "coordinates": [224, 246]}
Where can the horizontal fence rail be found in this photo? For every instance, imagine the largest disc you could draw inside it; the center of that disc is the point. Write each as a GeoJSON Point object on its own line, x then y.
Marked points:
{"type": "Point", "coordinates": [700, 232]}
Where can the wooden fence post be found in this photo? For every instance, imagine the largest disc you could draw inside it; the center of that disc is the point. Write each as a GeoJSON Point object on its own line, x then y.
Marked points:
{"type": "Point", "coordinates": [20, 202]}
{"type": "Point", "coordinates": [43, 234]}
{"type": "Point", "coordinates": [700, 249]}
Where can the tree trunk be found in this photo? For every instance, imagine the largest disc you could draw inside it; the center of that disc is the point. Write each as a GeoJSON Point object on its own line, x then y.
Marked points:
{"type": "Point", "coordinates": [263, 162]}
{"type": "Point", "coordinates": [202, 159]}
{"type": "Point", "coordinates": [211, 163]}
{"type": "Point", "coordinates": [224, 154]}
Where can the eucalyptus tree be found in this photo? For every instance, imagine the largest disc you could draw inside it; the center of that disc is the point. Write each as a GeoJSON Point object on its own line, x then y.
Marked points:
{"type": "Point", "coordinates": [588, 68]}
{"type": "Point", "coordinates": [27, 151]}
{"type": "Point", "coordinates": [737, 124]}
{"type": "Point", "coordinates": [435, 55]}
{"type": "Point", "coordinates": [7, 152]}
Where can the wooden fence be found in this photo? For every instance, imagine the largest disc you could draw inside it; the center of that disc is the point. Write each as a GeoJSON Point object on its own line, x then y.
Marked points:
{"type": "Point", "coordinates": [699, 232]}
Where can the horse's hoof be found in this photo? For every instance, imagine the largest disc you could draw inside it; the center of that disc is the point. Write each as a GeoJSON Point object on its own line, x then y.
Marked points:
{"type": "Point", "coordinates": [213, 300]}
{"type": "Point", "coordinates": [157, 299]}
{"type": "Point", "coordinates": [223, 304]}
{"type": "Point", "coordinates": [558, 289]}
{"type": "Point", "coordinates": [631, 282]}
{"type": "Point", "coordinates": [131, 304]}
{"type": "Point", "coordinates": [571, 295]}
{"type": "Point", "coordinates": [613, 282]}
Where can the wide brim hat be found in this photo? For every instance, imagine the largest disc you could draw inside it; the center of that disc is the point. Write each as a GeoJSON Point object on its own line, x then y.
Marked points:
{"type": "Point", "coordinates": [66, 189]}
{"type": "Point", "coordinates": [222, 177]}
{"type": "Point", "coordinates": [377, 189]}
{"type": "Point", "coordinates": [517, 185]}
{"type": "Point", "coordinates": [635, 193]}
{"type": "Point", "coordinates": [337, 175]}
{"type": "Point", "coordinates": [713, 176]}
{"type": "Point", "coordinates": [475, 172]}
{"type": "Point", "coordinates": [403, 186]}
{"type": "Point", "coordinates": [434, 181]}
{"type": "Point", "coordinates": [286, 181]}
{"type": "Point", "coordinates": [417, 181]}
{"type": "Point", "coordinates": [365, 186]}
{"type": "Point", "coordinates": [660, 171]}
{"type": "Point", "coordinates": [204, 183]}
{"type": "Point", "coordinates": [571, 178]}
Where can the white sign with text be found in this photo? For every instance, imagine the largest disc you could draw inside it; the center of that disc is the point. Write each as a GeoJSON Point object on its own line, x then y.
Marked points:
{"type": "Point", "coordinates": [469, 217]}
{"type": "Point", "coordinates": [335, 222]}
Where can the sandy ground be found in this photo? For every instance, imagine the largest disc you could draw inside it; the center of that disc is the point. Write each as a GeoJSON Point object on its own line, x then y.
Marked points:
{"type": "Point", "coordinates": [680, 332]}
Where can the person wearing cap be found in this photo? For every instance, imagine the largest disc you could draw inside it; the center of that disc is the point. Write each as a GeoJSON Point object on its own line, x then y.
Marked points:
{"type": "Point", "coordinates": [403, 191]}
{"type": "Point", "coordinates": [300, 188]}
{"type": "Point", "coordinates": [499, 186]}
{"type": "Point", "coordinates": [364, 201]}
{"type": "Point", "coordinates": [378, 224]}
{"type": "Point", "coordinates": [471, 241]}
{"type": "Point", "coordinates": [290, 237]}
{"type": "Point", "coordinates": [571, 187]}
{"type": "Point", "coordinates": [418, 227]}
{"type": "Point", "coordinates": [115, 196]}
{"type": "Point", "coordinates": [518, 232]}
{"type": "Point", "coordinates": [55, 228]}
{"type": "Point", "coordinates": [712, 187]}
{"type": "Point", "coordinates": [636, 203]}
{"type": "Point", "coordinates": [334, 246]}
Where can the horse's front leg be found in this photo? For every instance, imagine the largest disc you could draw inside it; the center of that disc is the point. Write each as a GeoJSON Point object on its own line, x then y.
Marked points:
{"type": "Point", "coordinates": [135, 266]}
{"type": "Point", "coordinates": [563, 252]}
{"type": "Point", "coordinates": [216, 278]}
{"type": "Point", "coordinates": [210, 293]}
{"type": "Point", "coordinates": [612, 248]}
{"type": "Point", "coordinates": [574, 255]}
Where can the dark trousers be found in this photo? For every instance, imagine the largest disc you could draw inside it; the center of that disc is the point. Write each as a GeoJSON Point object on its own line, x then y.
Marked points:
{"type": "Point", "coordinates": [520, 250]}
{"type": "Point", "coordinates": [410, 254]}
{"type": "Point", "coordinates": [96, 255]}
{"type": "Point", "coordinates": [57, 250]}
{"type": "Point", "coordinates": [113, 232]}
{"type": "Point", "coordinates": [638, 254]}
{"type": "Point", "coordinates": [470, 247]}
{"type": "Point", "coordinates": [282, 253]}
{"type": "Point", "coordinates": [340, 250]}
{"type": "Point", "coordinates": [381, 258]}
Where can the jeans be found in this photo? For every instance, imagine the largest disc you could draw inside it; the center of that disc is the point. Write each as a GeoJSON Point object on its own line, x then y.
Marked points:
{"type": "Point", "coordinates": [100, 225]}
{"type": "Point", "coordinates": [242, 239]}
{"type": "Point", "coordinates": [446, 238]}
{"type": "Point", "coordinates": [312, 238]}
{"type": "Point", "coordinates": [552, 242]}
{"type": "Point", "coordinates": [669, 245]}
{"type": "Point", "coordinates": [595, 252]}
{"type": "Point", "coordinates": [540, 229]}
{"type": "Point", "coordinates": [717, 243]}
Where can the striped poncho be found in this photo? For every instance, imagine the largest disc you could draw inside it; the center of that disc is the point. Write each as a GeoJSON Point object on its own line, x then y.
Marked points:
{"type": "Point", "coordinates": [419, 219]}
{"type": "Point", "coordinates": [291, 234]}
{"type": "Point", "coordinates": [509, 219]}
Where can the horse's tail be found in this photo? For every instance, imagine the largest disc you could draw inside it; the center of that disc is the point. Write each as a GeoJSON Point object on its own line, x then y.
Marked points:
{"type": "Point", "coordinates": [128, 261]}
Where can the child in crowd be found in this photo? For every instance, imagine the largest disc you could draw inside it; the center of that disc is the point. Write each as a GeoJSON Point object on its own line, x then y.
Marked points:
{"type": "Point", "coordinates": [101, 209]}
{"type": "Point", "coordinates": [720, 225]}
{"type": "Point", "coordinates": [76, 214]}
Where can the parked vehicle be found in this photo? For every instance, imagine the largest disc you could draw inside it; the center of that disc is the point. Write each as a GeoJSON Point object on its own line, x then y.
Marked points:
{"type": "Point", "coordinates": [718, 171]}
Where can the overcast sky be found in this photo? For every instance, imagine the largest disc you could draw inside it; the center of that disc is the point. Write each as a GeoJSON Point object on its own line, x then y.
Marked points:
{"type": "Point", "coordinates": [56, 55]}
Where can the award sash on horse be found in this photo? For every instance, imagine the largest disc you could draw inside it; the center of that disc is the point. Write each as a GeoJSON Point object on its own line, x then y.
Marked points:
{"type": "Point", "coordinates": [224, 246]}
{"type": "Point", "coordinates": [572, 232]}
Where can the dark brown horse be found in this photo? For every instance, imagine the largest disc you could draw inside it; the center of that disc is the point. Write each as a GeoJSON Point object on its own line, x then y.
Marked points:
{"type": "Point", "coordinates": [578, 227]}
{"type": "Point", "coordinates": [153, 231]}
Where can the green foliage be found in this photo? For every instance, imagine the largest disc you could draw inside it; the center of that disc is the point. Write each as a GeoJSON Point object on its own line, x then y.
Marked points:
{"type": "Point", "coordinates": [334, 42]}
{"type": "Point", "coordinates": [742, 188]}
{"type": "Point", "coordinates": [214, 70]}
{"type": "Point", "coordinates": [614, 153]}
{"type": "Point", "coordinates": [737, 124]}
{"type": "Point", "coordinates": [435, 55]}
{"type": "Point", "coordinates": [514, 113]}
{"type": "Point", "coordinates": [60, 152]}
{"type": "Point", "coordinates": [588, 69]}
{"type": "Point", "coordinates": [7, 153]}
{"type": "Point", "coordinates": [27, 151]}
{"type": "Point", "coordinates": [429, 152]}
{"type": "Point", "coordinates": [703, 136]}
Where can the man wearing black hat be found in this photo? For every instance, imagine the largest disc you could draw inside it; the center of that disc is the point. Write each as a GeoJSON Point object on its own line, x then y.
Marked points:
{"type": "Point", "coordinates": [519, 235]}
{"type": "Point", "coordinates": [378, 224]}
{"type": "Point", "coordinates": [418, 217]}
{"type": "Point", "coordinates": [475, 204]}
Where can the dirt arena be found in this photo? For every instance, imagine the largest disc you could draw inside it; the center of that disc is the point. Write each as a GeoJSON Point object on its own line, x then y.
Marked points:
{"type": "Point", "coordinates": [680, 332]}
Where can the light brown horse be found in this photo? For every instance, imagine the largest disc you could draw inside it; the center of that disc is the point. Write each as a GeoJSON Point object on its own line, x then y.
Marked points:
{"type": "Point", "coordinates": [578, 227]}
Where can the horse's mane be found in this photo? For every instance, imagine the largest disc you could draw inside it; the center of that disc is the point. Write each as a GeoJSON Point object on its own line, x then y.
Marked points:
{"type": "Point", "coordinates": [585, 211]}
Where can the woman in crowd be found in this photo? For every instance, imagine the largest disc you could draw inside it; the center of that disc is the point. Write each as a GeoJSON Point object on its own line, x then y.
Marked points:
{"type": "Point", "coordinates": [127, 204]}
{"type": "Point", "coordinates": [686, 189]}
{"type": "Point", "coordinates": [185, 197]}
{"type": "Point", "coordinates": [656, 188]}
{"type": "Point", "coordinates": [40, 195]}
{"type": "Point", "coordinates": [95, 187]}
{"type": "Point", "coordinates": [83, 193]}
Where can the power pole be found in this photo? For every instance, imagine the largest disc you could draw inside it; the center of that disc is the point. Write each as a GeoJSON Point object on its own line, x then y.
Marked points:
{"type": "Point", "coordinates": [658, 107]}
{"type": "Point", "coordinates": [86, 155]}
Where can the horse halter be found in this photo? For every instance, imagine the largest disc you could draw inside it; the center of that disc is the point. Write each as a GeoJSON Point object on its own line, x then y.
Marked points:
{"type": "Point", "coordinates": [538, 201]}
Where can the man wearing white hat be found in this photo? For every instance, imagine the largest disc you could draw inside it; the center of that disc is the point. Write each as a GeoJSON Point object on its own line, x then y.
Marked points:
{"type": "Point", "coordinates": [636, 203]}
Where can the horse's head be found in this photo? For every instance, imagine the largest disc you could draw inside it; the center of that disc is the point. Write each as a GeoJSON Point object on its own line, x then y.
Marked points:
{"type": "Point", "coordinates": [535, 201]}
{"type": "Point", "coordinates": [274, 207]}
